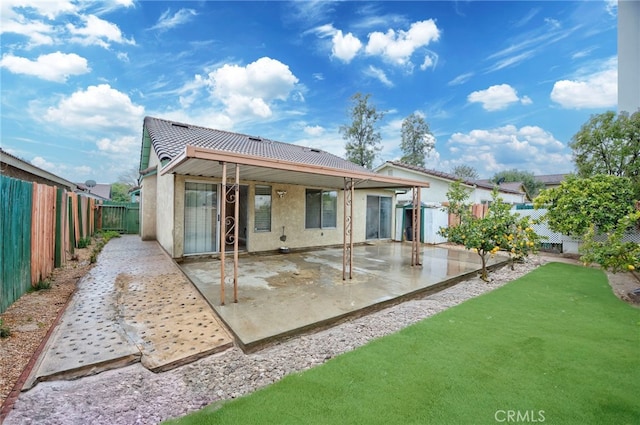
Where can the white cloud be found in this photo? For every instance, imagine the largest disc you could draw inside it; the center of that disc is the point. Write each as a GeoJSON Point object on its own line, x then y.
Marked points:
{"type": "Point", "coordinates": [40, 162]}
{"type": "Point", "coordinates": [460, 79]}
{"type": "Point", "coordinates": [97, 31]}
{"type": "Point", "coordinates": [430, 61]}
{"type": "Point", "coordinates": [529, 148]}
{"type": "Point", "coordinates": [597, 90]}
{"type": "Point", "coordinates": [97, 108]}
{"type": "Point", "coordinates": [345, 47]}
{"type": "Point", "coordinates": [397, 47]}
{"type": "Point", "coordinates": [497, 97]}
{"type": "Point", "coordinates": [250, 89]}
{"type": "Point", "coordinates": [38, 33]}
{"type": "Point", "coordinates": [125, 144]}
{"type": "Point", "coordinates": [379, 75]}
{"type": "Point", "coordinates": [48, 9]}
{"type": "Point", "coordinates": [314, 130]}
{"type": "Point", "coordinates": [43, 22]}
{"type": "Point", "coordinates": [52, 67]}
{"type": "Point", "coordinates": [168, 21]}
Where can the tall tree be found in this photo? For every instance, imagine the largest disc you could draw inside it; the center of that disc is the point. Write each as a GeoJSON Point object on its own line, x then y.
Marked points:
{"type": "Point", "coordinates": [465, 172]}
{"type": "Point", "coordinates": [609, 144]}
{"type": "Point", "coordinates": [527, 179]}
{"type": "Point", "coordinates": [363, 138]}
{"type": "Point", "coordinates": [417, 140]}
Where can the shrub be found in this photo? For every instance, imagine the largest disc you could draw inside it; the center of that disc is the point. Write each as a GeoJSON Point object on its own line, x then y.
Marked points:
{"type": "Point", "coordinates": [5, 332]}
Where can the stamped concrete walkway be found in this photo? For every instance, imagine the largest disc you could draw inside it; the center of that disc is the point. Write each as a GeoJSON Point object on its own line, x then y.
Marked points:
{"type": "Point", "coordinates": [134, 305]}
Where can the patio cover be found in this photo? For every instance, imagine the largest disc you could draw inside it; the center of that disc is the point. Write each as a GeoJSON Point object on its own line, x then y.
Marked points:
{"type": "Point", "coordinates": [208, 162]}
{"type": "Point", "coordinates": [199, 161]}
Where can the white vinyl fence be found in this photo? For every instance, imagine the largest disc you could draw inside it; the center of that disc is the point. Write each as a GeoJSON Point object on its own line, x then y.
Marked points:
{"type": "Point", "coordinates": [557, 242]}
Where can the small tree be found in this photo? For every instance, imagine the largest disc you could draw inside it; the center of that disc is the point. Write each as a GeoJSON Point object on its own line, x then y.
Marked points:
{"type": "Point", "coordinates": [465, 172]}
{"type": "Point", "coordinates": [499, 230]}
{"type": "Point", "coordinates": [578, 203]}
{"type": "Point", "coordinates": [363, 139]}
{"type": "Point", "coordinates": [417, 140]}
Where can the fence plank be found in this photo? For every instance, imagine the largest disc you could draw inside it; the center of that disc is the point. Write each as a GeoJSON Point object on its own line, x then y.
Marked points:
{"type": "Point", "coordinates": [15, 241]}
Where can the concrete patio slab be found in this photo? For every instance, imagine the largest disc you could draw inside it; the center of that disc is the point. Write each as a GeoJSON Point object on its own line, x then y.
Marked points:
{"type": "Point", "coordinates": [284, 294]}
{"type": "Point", "coordinates": [134, 305]}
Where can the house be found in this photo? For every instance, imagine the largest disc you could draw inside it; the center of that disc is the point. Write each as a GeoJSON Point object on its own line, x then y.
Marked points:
{"type": "Point", "coordinates": [439, 184]}
{"type": "Point", "coordinates": [434, 217]}
{"type": "Point", "coordinates": [551, 180]}
{"type": "Point", "coordinates": [207, 191]}
{"type": "Point", "coordinates": [100, 191]}
{"type": "Point", "coordinates": [12, 166]}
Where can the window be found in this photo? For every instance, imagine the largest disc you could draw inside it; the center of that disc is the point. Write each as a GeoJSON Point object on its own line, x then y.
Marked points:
{"type": "Point", "coordinates": [263, 209]}
{"type": "Point", "coordinates": [321, 209]}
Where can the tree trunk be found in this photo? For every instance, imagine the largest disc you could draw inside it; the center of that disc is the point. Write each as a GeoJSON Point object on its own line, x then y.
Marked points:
{"type": "Point", "coordinates": [484, 275]}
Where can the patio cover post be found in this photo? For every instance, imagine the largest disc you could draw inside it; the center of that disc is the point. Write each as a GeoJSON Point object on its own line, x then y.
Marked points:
{"type": "Point", "coordinates": [415, 242]}
{"type": "Point", "coordinates": [235, 233]}
{"type": "Point", "coordinates": [223, 228]}
{"type": "Point", "coordinates": [347, 237]}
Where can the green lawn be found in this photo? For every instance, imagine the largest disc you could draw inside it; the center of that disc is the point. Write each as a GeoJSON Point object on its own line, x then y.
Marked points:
{"type": "Point", "coordinates": [555, 347]}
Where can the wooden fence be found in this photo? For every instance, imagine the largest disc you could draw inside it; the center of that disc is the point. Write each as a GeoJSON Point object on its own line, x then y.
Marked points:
{"type": "Point", "coordinates": [477, 210]}
{"type": "Point", "coordinates": [40, 226]}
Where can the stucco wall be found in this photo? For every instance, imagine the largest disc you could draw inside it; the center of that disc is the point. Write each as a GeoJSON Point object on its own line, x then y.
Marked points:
{"type": "Point", "coordinates": [436, 193]}
{"type": "Point", "coordinates": [165, 210]}
{"type": "Point", "coordinates": [438, 188]}
{"type": "Point", "coordinates": [148, 202]}
{"type": "Point", "coordinates": [287, 212]}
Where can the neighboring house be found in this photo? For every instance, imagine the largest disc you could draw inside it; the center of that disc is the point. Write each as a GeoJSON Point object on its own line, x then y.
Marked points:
{"type": "Point", "coordinates": [551, 180]}
{"type": "Point", "coordinates": [101, 191]}
{"type": "Point", "coordinates": [439, 184]}
{"type": "Point", "coordinates": [12, 166]}
{"type": "Point", "coordinates": [289, 196]}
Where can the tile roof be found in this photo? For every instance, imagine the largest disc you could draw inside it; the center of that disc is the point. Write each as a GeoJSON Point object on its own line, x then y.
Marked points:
{"type": "Point", "coordinates": [169, 139]}
{"type": "Point", "coordinates": [485, 184]}
{"type": "Point", "coordinates": [551, 178]}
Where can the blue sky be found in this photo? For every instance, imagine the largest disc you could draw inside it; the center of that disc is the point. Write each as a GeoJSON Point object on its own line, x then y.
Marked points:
{"type": "Point", "coordinates": [501, 84]}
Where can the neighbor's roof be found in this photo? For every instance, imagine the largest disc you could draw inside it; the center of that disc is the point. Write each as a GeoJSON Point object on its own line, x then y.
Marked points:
{"type": "Point", "coordinates": [194, 150]}
{"type": "Point", "coordinates": [551, 179]}
{"type": "Point", "coordinates": [485, 184]}
{"type": "Point", "coordinates": [14, 161]}
{"type": "Point", "coordinates": [100, 190]}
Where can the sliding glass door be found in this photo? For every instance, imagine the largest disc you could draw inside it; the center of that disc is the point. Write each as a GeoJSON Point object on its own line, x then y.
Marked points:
{"type": "Point", "coordinates": [200, 218]}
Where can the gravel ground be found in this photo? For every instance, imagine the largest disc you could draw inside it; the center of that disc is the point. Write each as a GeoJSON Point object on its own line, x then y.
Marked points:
{"type": "Point", "coordinates": [134, 395]}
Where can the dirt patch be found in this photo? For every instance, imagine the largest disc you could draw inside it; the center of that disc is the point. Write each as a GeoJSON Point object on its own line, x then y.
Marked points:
{"type": "Point", "coordinates": [32, 315]}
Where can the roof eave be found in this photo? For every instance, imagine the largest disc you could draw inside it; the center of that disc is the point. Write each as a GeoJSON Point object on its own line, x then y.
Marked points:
{"type": "Point", "coordinates": [194, 152]}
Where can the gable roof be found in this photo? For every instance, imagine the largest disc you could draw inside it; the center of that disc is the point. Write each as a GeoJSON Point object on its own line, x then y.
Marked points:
{"type": "Point", "coordinates": [100, 190]}
{"type": "Point", "coordinates": [194, 150]}
{"type": "Point", "coordinates": [485, 184]}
